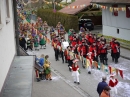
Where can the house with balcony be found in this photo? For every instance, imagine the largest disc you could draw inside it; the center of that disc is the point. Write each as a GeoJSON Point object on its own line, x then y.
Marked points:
{"type": "Point", "coordinates": [115, 17]}
{"type": "Point", "coordinates": [15, 70]}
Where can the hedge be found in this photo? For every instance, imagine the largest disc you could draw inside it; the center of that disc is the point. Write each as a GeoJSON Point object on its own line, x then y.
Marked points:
{"type": "Point", "coordinates": [68, 21]}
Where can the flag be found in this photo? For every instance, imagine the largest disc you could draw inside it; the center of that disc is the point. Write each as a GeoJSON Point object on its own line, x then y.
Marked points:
{"type": "Point", "coordinates": [110, 69]}
{"type": "Point", "coordinates": [87, 63]}
{"type": "Point", "coordinates": [113, 70]}
{"type": "Point", "coordinates": [99, 65]}
{"type": "Point", "coordinates": [103, 67]}
{"type": "Point", "coordinates": [117, 72]}
{"type": "Point", "coordinates": [96, 64]}
{"type": "Point", "coordinates": [121, 73]}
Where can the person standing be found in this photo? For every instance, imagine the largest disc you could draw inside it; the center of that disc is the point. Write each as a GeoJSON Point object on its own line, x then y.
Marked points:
{"type": "Point", "coordinates": [29, 44]}
{"type": "Point", "coordinates": [116, 51]}
{"type": "Point", "coordinates": [43, 42]}
{"type": "Point", "coordinates": [75, 71]}
{"type": "Point", "coordinates": [103, 53]}
{"type": "Point", "coordinates": [113, 83]}
{"type": "Point", "coordinates": [101, 85]}
{"type": "Point", "coordinates": [22, 42]}
{"type": "Point", "coordinates": [47, 68]}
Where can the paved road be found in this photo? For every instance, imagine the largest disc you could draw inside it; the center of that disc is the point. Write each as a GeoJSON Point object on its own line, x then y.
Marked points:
{"type": "Point", "coordinates": [63, 82]}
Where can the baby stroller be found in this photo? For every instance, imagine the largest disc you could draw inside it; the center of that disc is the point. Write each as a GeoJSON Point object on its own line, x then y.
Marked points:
{"type": "Point", "coordinates": [39, 70]}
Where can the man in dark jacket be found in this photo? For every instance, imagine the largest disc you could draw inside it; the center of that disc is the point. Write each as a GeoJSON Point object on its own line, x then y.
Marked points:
{"type": "Point", "coordinates": [101, 85]}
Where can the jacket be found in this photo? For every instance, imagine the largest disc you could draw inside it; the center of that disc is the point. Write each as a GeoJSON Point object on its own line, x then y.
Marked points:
{"type": "Point", "coordinates": [103, 94]}
{"type": "Point", "coordinates": [101, 86]}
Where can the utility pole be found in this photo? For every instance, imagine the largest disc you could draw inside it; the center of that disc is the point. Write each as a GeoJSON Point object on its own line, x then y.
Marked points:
{"type": "Point", "coordinates": [54, 9]}
{"type": "Point", "coordinates": [16, 27]}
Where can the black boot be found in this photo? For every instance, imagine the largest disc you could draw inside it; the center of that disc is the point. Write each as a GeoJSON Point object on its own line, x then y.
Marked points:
{"type": "Point", "coordinates": [38, 80]}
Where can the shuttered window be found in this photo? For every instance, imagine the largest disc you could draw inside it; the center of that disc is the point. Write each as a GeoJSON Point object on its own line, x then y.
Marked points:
{"type": "Point", "coordinates": [128, 11]}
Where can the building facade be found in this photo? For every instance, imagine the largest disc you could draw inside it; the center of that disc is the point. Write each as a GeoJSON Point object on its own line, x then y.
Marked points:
{"type": "Point", "coordinates": [7, 38]}
{"type": "Point", "coordinates": [116, 23]}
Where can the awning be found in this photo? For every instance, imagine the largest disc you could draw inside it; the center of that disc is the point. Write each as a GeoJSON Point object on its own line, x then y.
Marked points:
{"type": "Point", "coordinates": [76, 7]}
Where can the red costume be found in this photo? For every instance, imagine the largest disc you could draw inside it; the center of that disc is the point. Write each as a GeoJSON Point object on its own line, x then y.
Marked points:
{"type": "Point", "coordinates": [113, 83]}
{"type": "Point", "coordinates": [75, 68]}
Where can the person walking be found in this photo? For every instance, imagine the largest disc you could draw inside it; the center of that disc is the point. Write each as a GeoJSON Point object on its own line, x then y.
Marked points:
{"type": "Point", "coordinates": [75, 71]}
{"type": "Point", "coordinates": [101, 85]}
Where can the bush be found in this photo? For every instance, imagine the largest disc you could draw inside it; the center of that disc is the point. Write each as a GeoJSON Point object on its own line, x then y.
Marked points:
{"type": "Point", "coordinates": [68, 21]}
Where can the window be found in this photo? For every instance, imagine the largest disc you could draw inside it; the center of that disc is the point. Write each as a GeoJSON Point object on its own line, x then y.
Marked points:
{"type": "Point", "coordinates": [115, 11]}
{"type": "Point", "coordinates": [117, 31]}
{"type": "Point", "coordinates": [128, 11]}
{"type": "Point", "coordinates": [0, 12]}
{"type": "Point", "coordinates": [7, 14]}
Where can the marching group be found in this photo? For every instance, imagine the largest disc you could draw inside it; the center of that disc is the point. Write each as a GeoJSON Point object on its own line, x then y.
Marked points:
{"type": "Point", "coordinates": [86, 45]}
{"type": "Point", "coordinates": [90, 47]}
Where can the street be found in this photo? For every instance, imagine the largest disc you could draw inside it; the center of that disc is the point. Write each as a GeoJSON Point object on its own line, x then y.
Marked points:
{"type": "Point", "coordinates": [62, 81]}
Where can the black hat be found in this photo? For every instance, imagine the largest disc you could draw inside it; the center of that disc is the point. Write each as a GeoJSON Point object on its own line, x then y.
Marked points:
{"type": "Point", "coordinates": [57, 36]}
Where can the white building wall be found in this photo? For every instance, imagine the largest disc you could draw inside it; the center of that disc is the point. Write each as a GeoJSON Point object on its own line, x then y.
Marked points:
{"type": "Point", "coordinates": [7, 42]}
{"type": "Point", "coordinates": [112, 23]}
{"type": "Point", "coordinates": [112, 31]}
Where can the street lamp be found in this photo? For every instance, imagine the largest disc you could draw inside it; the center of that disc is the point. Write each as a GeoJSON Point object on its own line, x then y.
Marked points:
{"type": "Point", "coordinates": [54, 9]}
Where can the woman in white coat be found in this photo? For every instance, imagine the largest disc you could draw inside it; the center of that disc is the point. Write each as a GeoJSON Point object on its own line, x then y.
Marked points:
{"type": "Point", "coordinates": [75, 71]}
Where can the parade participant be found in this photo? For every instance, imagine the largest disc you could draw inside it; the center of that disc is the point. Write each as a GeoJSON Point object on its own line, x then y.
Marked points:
{"type": "Point", "coordinates": [101, 85]}
{"type": "Point", "coordinates": [103, 39]}
{"type": "Point", "coordinates": [106, 92]}
{"type": "Point", "coordinates": [62, 31]}
{"type": "Point", "coordinates": [90, 39]}
{"type": "Point", "coordinates": [98, 43]}
{"type": "Point", "coordinates": [89, 62]}
{"type": "Point", "coordinates": [75, 71]}
{"type": "Point", "coordinates": [116, 51]}
{"type": "Point", "coordinates": [111, 44]}
{"type": "Point", "coordinates": [103, 53]}
{"type": "Point", "coordinates": [58, 27]}
{"type": "Point", "coordinates": [47, 68]}
{"type": "Point", "coordinates": [43, 42]}
{"type": "Point", "coordinates": [113, 83]}
{"type": "Point", "coordinates": [82, 30]}
{"type": "Point", "coordinates": [52, 29]}
{"type": "Point", "coordinates": [70, 57]}
{"type": "Point", "coordinates": [55, 45]}
{"type": "Point", "coordinates": [74, 42]}
{"type": "Point", "coordinates": [29, 44]}
{"type": "Point", "coordinates": [36, 42]}
{"type": "Point", "coordinates": [65, 54]}
{"type": "Point", "coordinates": [93, 49]}
{"type": "Point", "coordinates": [45, 26]}
{"type": "Point", "coordinates": [84, 51]}
{"type": "Point", "coordinates": [61, 51]}
{"type": "Point", "coordinates": [22, 42]}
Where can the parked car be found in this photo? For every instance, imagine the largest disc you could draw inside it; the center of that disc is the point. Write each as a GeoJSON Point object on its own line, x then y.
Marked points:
{"type": "Point", "coordinates": [86, 24]}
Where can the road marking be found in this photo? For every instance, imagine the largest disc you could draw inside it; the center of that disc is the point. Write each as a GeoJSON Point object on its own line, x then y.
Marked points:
{"type": "Point", "coordinates": [75, 87]}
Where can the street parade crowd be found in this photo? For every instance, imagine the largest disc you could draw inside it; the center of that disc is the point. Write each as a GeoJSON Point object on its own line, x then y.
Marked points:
{"type": "Point", "coordinates": [82, 46]}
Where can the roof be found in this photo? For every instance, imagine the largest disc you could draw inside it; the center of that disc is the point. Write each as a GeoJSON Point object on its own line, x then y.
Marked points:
{"type": "Point", "coordinates": [111, 1]}
{"type": "Point", "coordinates": [77, 4]}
